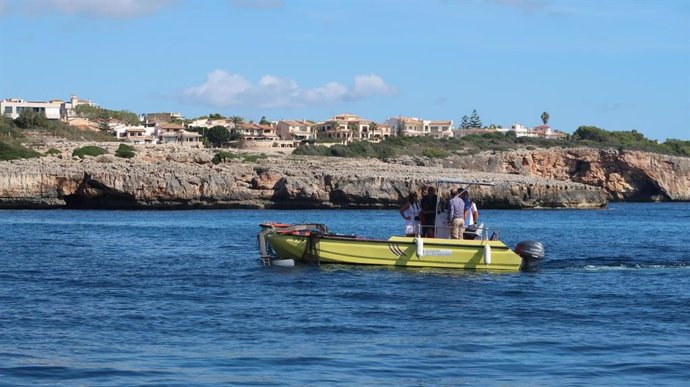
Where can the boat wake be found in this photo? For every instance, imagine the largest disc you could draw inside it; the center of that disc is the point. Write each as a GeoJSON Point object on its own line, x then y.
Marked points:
{"type": "Point", "coordinates": [613, 263]}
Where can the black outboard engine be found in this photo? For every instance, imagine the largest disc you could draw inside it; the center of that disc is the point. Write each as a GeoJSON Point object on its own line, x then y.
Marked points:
{"type": "Point", "coordinates": [532, 253]}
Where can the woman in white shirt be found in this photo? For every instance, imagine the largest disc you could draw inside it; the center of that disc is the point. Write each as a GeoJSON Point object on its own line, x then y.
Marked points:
{"type": "Point", "coordinates": [410, 212]}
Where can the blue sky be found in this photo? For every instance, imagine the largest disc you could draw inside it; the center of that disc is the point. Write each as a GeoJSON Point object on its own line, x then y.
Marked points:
{"type": "Point", "coordinates": [615, 64]}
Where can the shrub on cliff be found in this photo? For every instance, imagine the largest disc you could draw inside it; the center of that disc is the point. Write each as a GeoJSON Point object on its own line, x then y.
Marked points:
{"type": "Point", "coordinates": [354, 149]}
{"type": "Point", "coordinates": [218, 135]}
{"type": "Point", "coordinates": [90, 150]}
{"type": "Point", "coordinates": [30, 119]}
{"type": "Point", "coordinates": [223, 156]}
{"type": "Point", "coordinates": [125, 151]}
{"type": "Point", "coordinates": [435, 153]}
{"type": "Point", "coordinates": [9, 151]}
{"type": "Point", "coordinates": [677, 147]}
{"type": "Point", "coordinates": [312, 150]}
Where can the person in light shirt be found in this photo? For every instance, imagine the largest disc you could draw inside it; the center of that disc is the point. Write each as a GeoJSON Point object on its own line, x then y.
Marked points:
{"type": "Point", "coordinates": [410, 212]}
{"type": "Point", "coordinates": [471, 212]}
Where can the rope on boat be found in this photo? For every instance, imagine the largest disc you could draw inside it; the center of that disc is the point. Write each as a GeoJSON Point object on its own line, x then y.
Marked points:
{"type": "Point", "coordinates": [311, 251]}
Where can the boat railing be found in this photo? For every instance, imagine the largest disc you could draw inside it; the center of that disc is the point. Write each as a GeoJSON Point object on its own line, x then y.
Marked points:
{"type": "Point", "coordinates": [443, 231]}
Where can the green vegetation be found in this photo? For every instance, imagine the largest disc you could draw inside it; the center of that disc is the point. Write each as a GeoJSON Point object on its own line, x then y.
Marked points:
{"type": "Point", "coordinates": [29, 119]}
{"type": "Point", "coordinates": [53, 152]}
{"type": "Point", "coordinates": [545, 117]}
{"type": "Point", "coordinates": [237, 121]}
{"type": "Point", "coordinates": [471, 122]}
{"type": "Point", "coordinates": [223, 156]}
{"type": "Point", "coordinates": [628, 140]}
{"type": "Point", "coordinates": [30, 126]}
{"type": "Point", "coordinates": [584, 136]}
{"type": "Point", "coordinates": [8, 129]}
{"type": "Point", "coordinates": [435, 153]}
{"type": "Point", "coordinates": [125, 151]}
{"type": "Point", "coordinates": [102, 116]}
{"type": "Point", "coordinates": [90, 150]}
{"type": "Point", "coordinates": [254, 158]}
{"type": "Point", "coordinates": [13, 151]}
{"type": "Point", "coordinates": [218, 135]}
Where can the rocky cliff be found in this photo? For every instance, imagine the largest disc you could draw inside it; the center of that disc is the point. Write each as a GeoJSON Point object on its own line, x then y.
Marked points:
{"type": "Point", "coordinates": [168, 177]}
{"type": "Point", "coordinates": [623, 175]}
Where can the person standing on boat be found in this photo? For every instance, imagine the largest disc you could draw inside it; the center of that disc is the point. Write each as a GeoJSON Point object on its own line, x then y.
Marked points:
{"type": "Point", "coordinates": [410, 212]}
{"type": "Point", "coordinates": [471, 214]}
{"type": "Point", "coordinates": [456, 215]}
{"type": "Point", "coordinates": [428, 204]}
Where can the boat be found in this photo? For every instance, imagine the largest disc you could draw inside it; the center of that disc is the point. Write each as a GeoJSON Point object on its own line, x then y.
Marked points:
{"type": "Point", "coordinates": [284, 244]}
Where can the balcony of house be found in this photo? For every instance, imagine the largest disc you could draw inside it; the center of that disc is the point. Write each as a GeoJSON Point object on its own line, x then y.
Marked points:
{"type": "Point", "coordinates": [190, 139]}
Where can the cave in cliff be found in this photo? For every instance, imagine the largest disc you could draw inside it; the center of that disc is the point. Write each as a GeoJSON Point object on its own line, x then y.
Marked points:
{"type": "Point", "coordinates": [93, 194]}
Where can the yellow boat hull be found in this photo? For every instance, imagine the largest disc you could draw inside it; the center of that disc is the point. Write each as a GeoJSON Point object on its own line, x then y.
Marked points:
{"type": "Point", "coordinates": [400, 251]}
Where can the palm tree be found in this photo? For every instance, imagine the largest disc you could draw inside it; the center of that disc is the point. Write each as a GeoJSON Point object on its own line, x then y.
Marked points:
{"type": "Point", "coordinates": [545, 117]}
{"type": "Point", "coordinates": [353, 127]}
{"type": "Point", "coordinates": [236, 121]}
{"type": "Point", "coordinates": [373, 129]}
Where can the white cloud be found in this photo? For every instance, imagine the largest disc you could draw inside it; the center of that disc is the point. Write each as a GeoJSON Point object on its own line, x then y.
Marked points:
{"type": "Point", "coordinates": [119, 9]}
{"type": "Point", "coordinates": [366, 85]}
{"type": "Point", "coordinates": [223, 89]}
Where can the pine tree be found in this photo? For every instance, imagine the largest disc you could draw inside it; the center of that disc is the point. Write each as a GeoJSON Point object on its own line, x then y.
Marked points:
{"type": "Point", "coordinates": [465, 124]}
{"type": "Point", "coordinates": [545, 118]}
{"type": "Point", "coordinates": [475, 122]}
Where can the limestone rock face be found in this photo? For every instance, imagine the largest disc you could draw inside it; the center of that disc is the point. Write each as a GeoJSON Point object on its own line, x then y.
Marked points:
{"type": "Point", "coordinates": [175, 177]}
{"type": "Point", "coordinates": [181, 178]}
{"type": "Point", "coordinates": [623, 175]}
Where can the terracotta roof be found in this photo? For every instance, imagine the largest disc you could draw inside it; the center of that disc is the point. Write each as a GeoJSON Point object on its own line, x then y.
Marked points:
{"type": "Point", "coordinates": [295, 123]}
{"type": "Point", "coordinates": [168, 125]}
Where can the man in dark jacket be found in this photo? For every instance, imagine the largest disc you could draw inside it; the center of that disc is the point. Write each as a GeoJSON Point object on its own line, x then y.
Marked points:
{"type": "Point", "coordinates": [428, 205]}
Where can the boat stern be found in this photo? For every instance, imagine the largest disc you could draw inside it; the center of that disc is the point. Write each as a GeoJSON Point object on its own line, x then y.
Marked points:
{"type": "Point", "coordinates": [531, 252]}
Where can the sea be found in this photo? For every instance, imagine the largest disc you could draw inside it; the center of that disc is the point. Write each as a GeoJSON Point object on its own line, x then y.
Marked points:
{"type": "Point", "coordinates": [181, 298]}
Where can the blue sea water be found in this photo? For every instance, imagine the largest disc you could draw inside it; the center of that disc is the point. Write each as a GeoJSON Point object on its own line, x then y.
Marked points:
{"type": "Point", "coordinates": [103, 298]}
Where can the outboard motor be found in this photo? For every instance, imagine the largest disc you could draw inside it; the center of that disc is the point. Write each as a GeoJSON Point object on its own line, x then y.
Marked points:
{"type": "Point", "coordinates": [531, 252]}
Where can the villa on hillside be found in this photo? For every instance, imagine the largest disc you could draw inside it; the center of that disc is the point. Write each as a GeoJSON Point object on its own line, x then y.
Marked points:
{"type": "Point", "coordinates": [165, 127]}
{"type": "Point", "coordinates": [209, 123]}
{"type": "Point", "coordinates": [256, 132]}
{"type": "Point", "coordinates": [344, 127]}
{"type": "Point", "coordinates": [545, 131]}
{"type": "Point", "coordinates": [169, 133]}
{"type": "Point", "coordinates": [67, 109]}
{"type": "Point", "coordinates": [349, 127]}
{"type": "Point", "coordinates": [135, 134]}
{"type": "Point", "coordinates": [438, 129]}
{"type": "Point", "coordinates": [162, 117]}
{"type": "Point", "coordinates": [541, 131]}
{"type": "Point", "coordinates": [406, 126]}
{"type": "Point", "coordinates": [296, 131]}
{"type": "Point", "coordinates": [416, 127]}
{"type": "Point", "coordinates": [13, 107]}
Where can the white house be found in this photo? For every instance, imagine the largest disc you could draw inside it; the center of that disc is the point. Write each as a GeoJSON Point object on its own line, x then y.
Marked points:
{"type": "Point", "coordinates": [12, 107]}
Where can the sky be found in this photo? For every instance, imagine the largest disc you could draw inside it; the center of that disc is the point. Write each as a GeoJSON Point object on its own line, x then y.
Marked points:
{"type": "Point", "coordinates": [614, 64]}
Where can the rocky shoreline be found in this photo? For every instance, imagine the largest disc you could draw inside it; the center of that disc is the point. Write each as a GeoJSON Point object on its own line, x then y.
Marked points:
{"type": "Point", "coordinates": [166, 177]}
